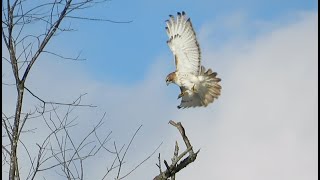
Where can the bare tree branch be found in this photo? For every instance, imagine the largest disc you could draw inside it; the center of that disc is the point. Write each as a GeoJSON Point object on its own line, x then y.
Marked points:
{"type": "Point", "coordinates": [176, 164]}
{"type": "Point", "coordinates": [74, 103]}
{"type": "Point", "coordinates": [99, 19]}
{"type": "Point", "coordinates": [51, 32]}
{"type": "Point", "coordinates": [125, 152]}
{"type": "Point", "coordinates": [62, 57]}
{"type": "Point", "coordinates": [141, 162]}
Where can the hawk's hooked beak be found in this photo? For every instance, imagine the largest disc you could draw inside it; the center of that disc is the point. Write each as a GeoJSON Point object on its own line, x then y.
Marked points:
{"type": "Point", "coordinates": [167, 82]}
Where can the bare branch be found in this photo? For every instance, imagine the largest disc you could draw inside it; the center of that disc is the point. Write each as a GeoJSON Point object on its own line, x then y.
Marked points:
{"type": "Point", "coordinates": [51, 32]}
{"type": "Point", "coordinates": [23, 123]}
{"type": "Point", "coordinates": [74, 103]}
{"type": "Point", "coordinates": [5, 149]}
{"type": "Point", "coordinates": [4, 123]}
{"type": "Point", "coordinates": [62, 57]}
{"type": "Point", "coordinates": [141, 162]}
{"type": "Point", "coordinates": [175, 166]}
{"type": "Point", "coordinates": [125, 152]}
{"type": "Point", "coordinates": [99, 19]}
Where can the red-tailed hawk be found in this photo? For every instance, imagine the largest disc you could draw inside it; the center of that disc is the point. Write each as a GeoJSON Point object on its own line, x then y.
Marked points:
{"type": "Point", "coordinates": [198, 86]}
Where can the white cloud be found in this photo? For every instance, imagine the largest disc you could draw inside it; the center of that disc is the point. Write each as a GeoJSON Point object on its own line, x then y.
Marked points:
{"type": "Point", "coordinates": [264, 125]}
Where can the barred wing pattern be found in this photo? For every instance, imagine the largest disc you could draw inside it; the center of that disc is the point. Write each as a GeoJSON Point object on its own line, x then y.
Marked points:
{"type": "Point", "coordinates": [183, 43]}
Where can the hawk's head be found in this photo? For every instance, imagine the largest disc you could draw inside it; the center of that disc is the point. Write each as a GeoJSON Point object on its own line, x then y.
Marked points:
{"type": "Point", "coordinates": [171, 78]}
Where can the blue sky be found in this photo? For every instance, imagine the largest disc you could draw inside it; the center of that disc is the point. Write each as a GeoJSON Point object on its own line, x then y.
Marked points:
{"type": "Point", "coordinates": [122, 53]}
{"type": "Point", "coordinates": [263, 126]}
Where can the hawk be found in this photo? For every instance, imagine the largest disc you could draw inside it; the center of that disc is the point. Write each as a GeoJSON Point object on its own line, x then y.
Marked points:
{"type": "Point", "coordinates": [198, 87]}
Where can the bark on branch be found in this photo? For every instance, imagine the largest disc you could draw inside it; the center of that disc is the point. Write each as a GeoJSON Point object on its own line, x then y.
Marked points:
{"type": "Point", "coordinates": [177, 165]}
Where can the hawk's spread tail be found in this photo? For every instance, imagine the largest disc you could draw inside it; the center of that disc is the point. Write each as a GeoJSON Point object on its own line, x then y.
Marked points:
{"type": "Point", "coordinates": [209, 87]}
{"type": "Point", "coordinates": [205, 92]}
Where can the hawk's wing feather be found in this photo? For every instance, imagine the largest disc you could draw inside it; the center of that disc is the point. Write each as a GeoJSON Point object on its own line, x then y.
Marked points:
{"type": "Point", "coordinates": [183, 43]}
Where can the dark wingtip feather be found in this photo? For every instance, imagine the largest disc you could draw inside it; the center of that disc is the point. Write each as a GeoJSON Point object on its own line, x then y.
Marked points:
{"type": "Point", "coordinates": [213, 74]}
{"type": "Point", "coordinates": [183, 13]}
{"type": "Point", "coordinates": [179, 107]}
{"type": "Point", "coordinates": [178, 13]}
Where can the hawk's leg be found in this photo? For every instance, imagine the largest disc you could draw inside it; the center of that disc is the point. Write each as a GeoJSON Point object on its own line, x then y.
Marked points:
{"type": "Point", "coordinates": [194, 89]}
{"type": "Point", "coordinates": [183, 93]}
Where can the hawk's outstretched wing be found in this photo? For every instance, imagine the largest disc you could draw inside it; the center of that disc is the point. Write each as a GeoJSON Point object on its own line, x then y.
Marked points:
{"type": "Point", "coordinates": [183, 43]}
